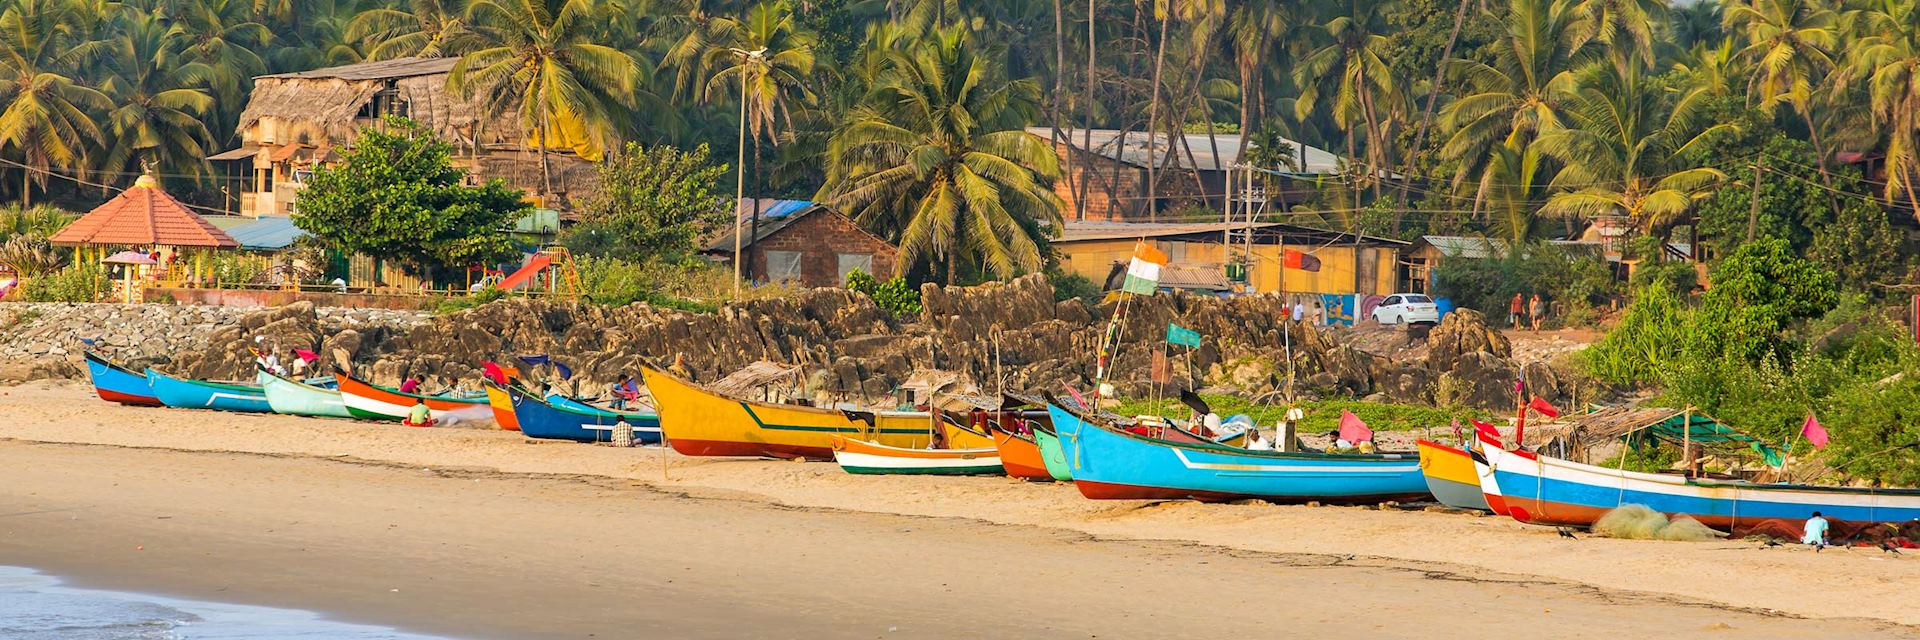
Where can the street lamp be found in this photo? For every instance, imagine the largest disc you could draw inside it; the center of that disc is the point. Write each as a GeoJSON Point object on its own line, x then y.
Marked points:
{"type": "Point", "coordinates": [740, 171]}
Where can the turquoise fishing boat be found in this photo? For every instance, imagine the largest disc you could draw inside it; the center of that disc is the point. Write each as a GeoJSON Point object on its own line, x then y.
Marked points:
{"type": "Point", "coordinates": [313, 398]}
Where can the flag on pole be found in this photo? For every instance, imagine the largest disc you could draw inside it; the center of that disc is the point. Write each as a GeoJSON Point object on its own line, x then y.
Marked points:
{"type": "Point", "coordinates": [1540, 404]}
{"type": "Point", "coordinates": [565, 372]}
{"type": "Point", "coordinates": [493, 371]}
{"type": "Point", "coordinates": [1815, 433]}
{"type": "Point", "coordinates": [1143, 274]}
{"type": "Point", "coordinates": [306, 355]}
{"type": "Point", "coordinates": [1301, 260]}
{"type": "Point", "coordinates": [1352, 429]}
{"type": "Point", "coordinates": [1485, 431]}
{"type": "Point", "coordinates": [1182, 336]}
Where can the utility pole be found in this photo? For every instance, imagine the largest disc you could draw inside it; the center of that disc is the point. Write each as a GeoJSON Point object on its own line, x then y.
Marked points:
{"type": "Point", "coordinates": [1753, 212]}
{"type": "Point", "coordinates": [740, 172]}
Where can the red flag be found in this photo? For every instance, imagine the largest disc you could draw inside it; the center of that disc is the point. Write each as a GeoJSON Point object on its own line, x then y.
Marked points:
{"type": "Point", "coordinates": [492, 371]}
{"type": "Point", "coordinates": [1815, 433]}
{"type": "Point", "coordinates": [1075, 394]}
{"type": "Point", "coordinates": [1540, 404]}
{"type": "Point", "coordinates": [1300, 260]}
{"type": "Point", "coordinates": [1486, 431]}
{"type": "Point", "coordinates": [1352, 429]}
{"type": "Point", "coordinates": [306, 355]}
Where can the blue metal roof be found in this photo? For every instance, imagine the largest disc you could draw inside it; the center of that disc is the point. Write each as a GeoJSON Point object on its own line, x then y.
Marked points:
{"type": "Point", "coordinates": [781, 208]}
{"type": "Point", "coordinates": [266, 234]}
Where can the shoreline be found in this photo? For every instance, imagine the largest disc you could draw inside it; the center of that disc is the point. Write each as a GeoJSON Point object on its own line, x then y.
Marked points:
{"type": "Point", "coordinates": [1728, 578]}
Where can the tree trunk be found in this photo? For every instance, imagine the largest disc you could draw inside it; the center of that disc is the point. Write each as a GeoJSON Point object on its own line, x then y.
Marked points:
{"type": "Point", "coordinates": [546, 171]}
{"type": "Point", "coordinates": [1086, 145]}
{"type": "Point", "coordinates": [1820, 161]}
{"type": "Point", "coordinates": [26, 187]}
{"type": "Point", "coordinates": [1433, 96]}
{"type": "Point", "coordinates": [1153, 118]}
{"type": "Point", "coordinates": [1060, 93]}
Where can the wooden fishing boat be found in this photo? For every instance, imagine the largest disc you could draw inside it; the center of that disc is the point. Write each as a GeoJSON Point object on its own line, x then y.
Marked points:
{"type": "Point", "coordinates": [302, 398]}
{"type": "Point", "coordinates": [373, 402]}
{"type": "Point", "coordinates": [502, 406]}
{"type": "Point", "coordinates": [1450, 476]}
{"type": "Point", "coordinates": [1541, 489]}
{"type": "Point", "coordinates": [856, 456]}
{"type": "Point", "coordinates": [1051, 455]}
{"type": "Point", "coordinates": [185, 393]}
{"type": "Point", "coordinates": [1110, 464]}
{"type": "Point", "coordinates": [701, 422]}
{"type": "Point", "coordinates": [115, 383]}
{"type": "Point", "coordinates": [1019, 453]}
{"type": "Point", "coordinates": [541, 418]}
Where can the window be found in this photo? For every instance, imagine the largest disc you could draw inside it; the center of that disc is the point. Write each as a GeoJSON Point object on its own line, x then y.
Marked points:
{"type": "Point", "coordinates": [266, 180]}
{"type": "Point", "coordinates": [850, 261]}
{"type": "Point", "coordinates": [783, 266]}
{"type": "Point", "coordinates": [1418, 300]}
{"type": "Point", "coordinates": [1390, 301]}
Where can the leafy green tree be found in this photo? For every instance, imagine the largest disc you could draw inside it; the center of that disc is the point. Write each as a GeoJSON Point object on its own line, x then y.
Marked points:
{"type": "Point", "coordinates": [1859, 246]}
{"type": "Point", "coordinates": [938, 160]}
{"type": "Point", "coordinates": [652, 202]}
{"type": "Point", "coordinates": [396, 194]}
{"type": "Point", "coordinates": [1757, 291]}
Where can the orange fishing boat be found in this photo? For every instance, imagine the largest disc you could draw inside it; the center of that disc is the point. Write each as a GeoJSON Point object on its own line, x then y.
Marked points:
{"type": "Point", "coordinates": [1019, 453]}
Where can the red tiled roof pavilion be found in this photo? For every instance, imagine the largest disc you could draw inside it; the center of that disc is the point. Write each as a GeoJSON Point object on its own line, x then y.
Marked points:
{"type": "Point", "coordinates": [142, 216]}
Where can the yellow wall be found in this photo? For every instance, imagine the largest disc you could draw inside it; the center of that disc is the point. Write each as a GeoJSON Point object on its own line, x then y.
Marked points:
{"type": "Point", "coordinates": [1094, 258]}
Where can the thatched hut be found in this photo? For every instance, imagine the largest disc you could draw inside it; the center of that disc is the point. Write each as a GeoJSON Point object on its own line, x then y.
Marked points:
{"type": "Point", "coordinates": [293, 122]}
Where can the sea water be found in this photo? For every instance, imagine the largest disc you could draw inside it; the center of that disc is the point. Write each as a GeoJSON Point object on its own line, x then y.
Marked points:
{"type": "Point", "coordinates": [35, 606]}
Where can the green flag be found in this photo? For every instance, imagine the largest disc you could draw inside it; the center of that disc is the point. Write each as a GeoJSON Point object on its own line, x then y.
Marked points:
{"type": "Point", "coordinates": [1182, 336]}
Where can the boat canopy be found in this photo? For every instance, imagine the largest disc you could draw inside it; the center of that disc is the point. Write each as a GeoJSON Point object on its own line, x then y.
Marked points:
{"type": "Point", "coordinates": [1671, 425]}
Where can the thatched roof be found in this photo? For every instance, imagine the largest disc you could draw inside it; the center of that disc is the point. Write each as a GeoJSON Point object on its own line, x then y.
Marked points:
{"type": "Point", "coordinates": [377, 70]}
{"type": "Point", "coordinates": [324, 103]}
{"type": "Point", "coordinates": [754, 376]}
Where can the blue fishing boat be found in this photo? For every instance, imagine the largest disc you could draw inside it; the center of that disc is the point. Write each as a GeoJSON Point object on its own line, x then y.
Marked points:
{"type": "Point", "coordinates": [115, 383]}
{"type": "Point", "coordinates": [1109, 464]}
{"type": "Point", "coordinates": [184, 393]}
{"type": "Point", "coordinates": [539, 418]}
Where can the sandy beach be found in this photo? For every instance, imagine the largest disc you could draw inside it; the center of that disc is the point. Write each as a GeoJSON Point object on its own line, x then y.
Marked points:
{"type": "Point", "coordinates": [484, 534]}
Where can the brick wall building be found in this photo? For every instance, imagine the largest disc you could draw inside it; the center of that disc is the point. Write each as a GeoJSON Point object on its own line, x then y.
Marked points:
{"type": "Point", "coordinates": [807, 244]}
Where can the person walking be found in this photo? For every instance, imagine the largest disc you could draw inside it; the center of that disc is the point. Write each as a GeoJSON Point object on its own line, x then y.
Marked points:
{"type": "Point", "coordinates": [1537, 309]}
{"type": "Point", "coordinates": [1514, 309]}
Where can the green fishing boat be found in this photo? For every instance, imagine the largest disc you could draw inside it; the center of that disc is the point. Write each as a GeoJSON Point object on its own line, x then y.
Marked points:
{"type": "Point", "coordinates": [1051, 453]}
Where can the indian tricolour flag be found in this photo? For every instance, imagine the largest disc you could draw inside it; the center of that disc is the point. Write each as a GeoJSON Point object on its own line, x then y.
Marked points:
{"type": "Point", "coordinates": [1143, 274]}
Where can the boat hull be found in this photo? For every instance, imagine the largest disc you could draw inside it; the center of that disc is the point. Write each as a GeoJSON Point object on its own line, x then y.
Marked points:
{"type": "Point", "coordinates": [1450, 476]}
{"type": "Point", "coordinates": [293, 398]}
{"type": "Point", "coordinates": [1544, 490]}
{"type": "Point", "coordinates": [114, 383]}
{"type": "Point", "coordinates": [1020, 455]}
{"type": "Point", "coordinates": [1051, 455]}
{"type": "Point", "coordinates": [1111, 465]}
{"type": "Point", "coordinates": [371, 402]}
{"type": "Point", "coordinates": [541, 419]}
{"type": "Point", "coordinates": [502, 406]}
{"type": "Point", "coordinates": [183, 393]}
{"type": "Point", "coordinates": [699, 422]}
{"type": "Point", "coordinates": [866, 458]}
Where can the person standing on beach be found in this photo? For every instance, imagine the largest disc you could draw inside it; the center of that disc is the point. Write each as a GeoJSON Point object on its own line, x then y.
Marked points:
{"type": "Point", "coordinates": [1514, 309]}
{"type": "Point", "coordinates": [1537, 309]}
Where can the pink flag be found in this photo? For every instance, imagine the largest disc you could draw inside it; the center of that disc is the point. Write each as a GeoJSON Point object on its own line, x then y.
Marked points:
{"type": "Point", "coordinates": [306, 355]}
{"type": "Point", "coordinates": [1815, 433]}
{"type": "Point", "coordinates": [1352, 429]}
{"type": "Point", "coordinates": [493, 372]}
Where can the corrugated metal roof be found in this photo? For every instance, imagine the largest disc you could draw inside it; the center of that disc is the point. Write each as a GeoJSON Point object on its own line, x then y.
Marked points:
{"type": "Point", "coordinates": [1103, 230]}
{"type": "Point", "coordinates": [1312, 160]}
{"type": "Point", "coordinates": [266, 234]}
{"type": "Point", "coordinates": [1473, 247]}
{"type": "Point", "coordinates": [378, 70]}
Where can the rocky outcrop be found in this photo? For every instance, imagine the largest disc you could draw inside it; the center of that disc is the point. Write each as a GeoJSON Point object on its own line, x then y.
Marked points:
{"type": "Point", "coordinates": [845, 344]}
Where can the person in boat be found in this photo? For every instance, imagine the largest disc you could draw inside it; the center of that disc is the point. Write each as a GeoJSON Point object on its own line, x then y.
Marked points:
{"type": "Point", "coordinates": [1816, 531]}
{"type": "Point", "coordinates": [625, 392]}
{"type": "Point", "coordinates": [419, 415]}
{"type": "Point", "coordinates": [412, 385]}
{"type": "Point", "coordinates": [298, 367]}
{"type": "Point", "coordinates": [1257, 443]}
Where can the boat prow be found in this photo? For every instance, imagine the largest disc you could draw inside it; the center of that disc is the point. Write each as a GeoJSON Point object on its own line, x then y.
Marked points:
{"type": "Point", "coordinates": [1450, 476]}
{"type": "Point", "coordinates": [700, 422]}
{"type": "Point", "coordinates": [116, 383]}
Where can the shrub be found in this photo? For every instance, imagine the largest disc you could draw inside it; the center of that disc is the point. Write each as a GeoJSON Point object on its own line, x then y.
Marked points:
{"type": "Point", "coordinates": [469, 301]}
{"type": "Point", "coordinates": [690, 285]}
{"type": "Point", "coordinates": [80, 282]}
{"type": "Point", "coordinates": [1073, 286]}
{"type": "Point", "coordinates": [895, 295]}
{"type": "Point", "coordinates": [1488, 284]}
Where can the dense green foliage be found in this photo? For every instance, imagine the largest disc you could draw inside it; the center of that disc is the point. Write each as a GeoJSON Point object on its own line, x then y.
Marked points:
{"type": "Point", "coordinates": [1570, 282]}
{"type": "Point", "coordinates": [397, 195]}
{"type": "Point", "coordinates": [894, 295]}
{"type": "Point", "coordinates": [80, 282]}
{"type": "Point", "coordinates": [652, 202]}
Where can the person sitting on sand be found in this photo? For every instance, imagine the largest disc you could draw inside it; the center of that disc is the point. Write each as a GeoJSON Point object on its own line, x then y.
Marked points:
{"type": "Point", "coordinates": [419, 415]}
{"type": "Point", "coordinates": [1816, 531]}
{"type": "Point", "coordinates": [412, 385]}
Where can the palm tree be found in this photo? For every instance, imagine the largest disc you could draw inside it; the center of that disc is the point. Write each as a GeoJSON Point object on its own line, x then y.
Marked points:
{"type": "Point", "coordinates": [1506, 105]}
{"type": "Point", "coordinates": [44, 116]}
{"type": "Point", "coordinates": [542, 58]}
{"type": "Point", "coordinates": [1353, 69]}
{"type": "Point", "coordinates": [1887, 58]}
{"type": "Point", "coordinates": [223, 36]}
{"type": "Point", "coordinates": [157, 103]}
{"type": "Point", "coordinates": [772, 57]}
{"type": "Point", "coordinates": [936, 159]}
{"type": "Point", "coordinates": [1623, 151]}
{"type": "Point", "coordinates": [1790, 44]}
{"type": "Point", "coordinates": [420, 28]}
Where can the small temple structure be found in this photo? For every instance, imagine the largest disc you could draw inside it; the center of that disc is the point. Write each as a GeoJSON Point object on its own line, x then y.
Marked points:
{"type": "Point", "coordinates": [146, 219]}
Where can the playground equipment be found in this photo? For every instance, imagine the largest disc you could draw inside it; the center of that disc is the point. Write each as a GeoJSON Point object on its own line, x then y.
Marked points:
{"type": "Point", "coordinates": [562, 278]}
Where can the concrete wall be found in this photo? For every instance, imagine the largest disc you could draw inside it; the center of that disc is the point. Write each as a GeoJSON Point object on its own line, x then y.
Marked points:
{"type": "Point", "coordinates": [275, 298]}
{"type": "Point", "coordinates": [1094, 258]}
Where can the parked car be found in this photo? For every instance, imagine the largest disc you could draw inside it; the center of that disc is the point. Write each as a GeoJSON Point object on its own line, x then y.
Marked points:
{"type": "Point", "coordinates": [1407, 308]}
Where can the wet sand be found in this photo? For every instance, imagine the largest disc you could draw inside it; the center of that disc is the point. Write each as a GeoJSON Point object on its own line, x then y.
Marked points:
{"type": "Point", "coordinates": [480, 534]}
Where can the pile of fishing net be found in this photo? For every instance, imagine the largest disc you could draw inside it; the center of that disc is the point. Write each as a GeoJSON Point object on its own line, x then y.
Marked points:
{"type": "Point", "coordinates": [1637, 522]}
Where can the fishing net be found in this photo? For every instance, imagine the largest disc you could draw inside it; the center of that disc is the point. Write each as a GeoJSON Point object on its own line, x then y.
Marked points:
{"type": "Point", "coordinates": [1637, 522]}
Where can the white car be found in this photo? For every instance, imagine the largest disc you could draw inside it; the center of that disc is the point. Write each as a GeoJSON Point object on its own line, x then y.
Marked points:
{"type": "Point", "coordinates": [1407, 308]}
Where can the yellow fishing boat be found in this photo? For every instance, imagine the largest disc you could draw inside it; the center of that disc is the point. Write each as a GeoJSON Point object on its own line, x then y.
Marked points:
{"type": "Point", "coordinates": [1450, 476]}
{"type": "Point", "coordinates": [701, 422]}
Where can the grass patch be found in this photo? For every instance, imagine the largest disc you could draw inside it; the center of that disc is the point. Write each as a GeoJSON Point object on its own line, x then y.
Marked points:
{"type": "Point", "coordinates": [1322, 415]}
